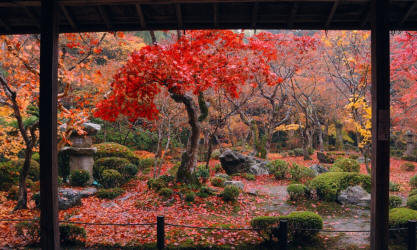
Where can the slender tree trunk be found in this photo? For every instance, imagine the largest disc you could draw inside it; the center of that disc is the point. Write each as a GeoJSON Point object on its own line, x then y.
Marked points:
{"type": "Point", "coordinates": [158, 152]}
{"type": "Point", "coordinates": [22, 195]}
{"type": "Point", "coordinates": [185, 172]}
{"type": "Point", "coordinates": [326, 135]}
{"type": "Point", "coordinates": [320, 138]}
{"type": "Point", "coordinates": [339, 136]}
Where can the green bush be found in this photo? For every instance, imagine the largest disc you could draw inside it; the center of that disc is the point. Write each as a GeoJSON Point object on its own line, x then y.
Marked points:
{"type": "Point", "coordinates": [412, 192]}
{"type": "Point", "coordinates": [190, 196]}
{"type": "Point", "coordinates": [310, 151]}
{"type": "Point", "coordinates": [13, 193]}
{"type": "Point", "coordinates": [79, 178]}
{"type": "Point", "coordinates": [395, 201]}
{"type": "Point", "coordinates": [298, 152]}
{"type": "Point", "coordinates": [354, 157]}
{"type": "Point", "coordinates": [399, 217]}
{"type": "Point", "coordinates": [299, 220]}
{"type": "Point", "coordinates": [146, 163]}
{"type": "Point", "coordinates": [202, 171]}
{"type": "Point", "coordinates": [36, 157]}
{"type": "Point", "coordinates": [279, 168]}
{"type": "Point", "coordinates": [298, 191]}
{"type": "Point", "coordinates": [230, 193]}
{"type": "Point", "coordinates": [109, 193]}
{"type": "Point", "coordinates": [167, 178]}
{"type": "Point", "coordinates": [205, 192]}
{"type": "Point", "coordinates": [106, 163]}
{"type": "Point", "coordinates": [291, 153]}
{"type": "Point", "coordinates": [394, 187]}
{"type": "Point", "coordinates": [299, 173]}
{"type": "Point", "coordinates": [335, 169]}
{"type": "Point", "coordinates": [412, 202]}
{"type": "Point", "coordinates": [218, 168]}
{"type": "Point", "coordinates": [249, 177]}
{"type": "Point", "coordinates": [217, 181]}
{"type": "Point", "coordinates": [409, 158]}
{"type": "Point", "coordinates": [413, 181]}
{"type": "Point", "coordinates": [408, 166]}
{"type": "Point", "coordinates": [166, 192]}
{"type": "Point", "coordinates": [111, 149]}
{"type": "Point", "coordinates": [71, 234]}
{"type": "Point", "coordinates": [264, 225]}
{"type": "Point", "coordinates": [347, 165]}
{"type": "Point", "coordinates": [111, 178]}
{"type": "Point", "coordinates": [328, 185]}
{"type": "Point", "coordinates": [9, 176]}
{"type": "Point", "coordinates": [157, 184]}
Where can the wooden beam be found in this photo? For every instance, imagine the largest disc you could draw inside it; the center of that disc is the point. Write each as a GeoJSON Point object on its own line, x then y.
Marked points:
{"type": "Point", "coordinates": [215, 15]}
{"type": "Point", "coordinates": [254, 14]}
{"type": "Point", "coordinates": [331, 14]}
{"type": "Point", "coordinates": [380, 91]}
{"type": "Point", "coordinates": [292, 15]}
{"type": "Point", "coordinates": [179, 15]}
{"type": "Point", "coordinates": [365, 17]}
{"type": "Point", "coordinates": [4, 25]}
{"type": "Point", "coordinates": [140, 15]}
{"type": "Point", "coordinates": [49, 231]}
{"type": "Point", "coordinates": [105, 17]}
{"type": "Point", "coordinates": [69, 17]}
{"type": "Point", "coordinates": [32, 16]}
{"type": "Point", "coordinates": [407, 14]}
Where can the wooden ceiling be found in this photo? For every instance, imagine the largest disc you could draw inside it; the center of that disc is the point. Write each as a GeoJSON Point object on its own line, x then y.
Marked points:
{"type": "Point", "coordinates": [23, 16]}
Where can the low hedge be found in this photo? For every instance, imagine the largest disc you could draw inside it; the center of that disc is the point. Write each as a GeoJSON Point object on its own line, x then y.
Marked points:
{"type": "Point", "coordinates": [412, 202]}
{"type": "Point", "coordinates": [111, 178]}
{"type": "Point", "coordinates": [328, 185]}
{"type": "Point", "coordinates": [298, 191]}
{"type": "Point", "coordinates": [230, 193]}
{"type": "Point", "coordinates": [79, 178]}
{"type": "Point", "coordinates": [398, 218]}
{"type": "Point", "coordinates": [111, 149]}
{"type": "Point", "coordinates": [347, 165]}
{"type": "Point", "coordinates": [413, 181]}
{"type": "Point", "coordinates": [300, 173]}
{"type": "Point", "coordinates": [279, 168]}
{"type": "Point", "coordinates": [412, 192]}
{"type": "Point", "coordinates": [264, 226]}
{"type": "Point", "coordinates": [109, 193]}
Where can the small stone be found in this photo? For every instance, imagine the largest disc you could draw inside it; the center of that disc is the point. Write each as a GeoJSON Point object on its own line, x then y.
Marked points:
{"type": "Point", "coordinates": [318, 169]}
{"type": "Point", "coordinates": [355, 195]}
{"type": "Point", "coordinates": [252, 192]}
{"type": "Point", "coordinates": [259, 169]}
{"type": "Point", "coordinates": [238, 184]}
{"type": "Point", "coordinates": [88, 192]}
{"type": "Point", "coordinates": [68, 198]}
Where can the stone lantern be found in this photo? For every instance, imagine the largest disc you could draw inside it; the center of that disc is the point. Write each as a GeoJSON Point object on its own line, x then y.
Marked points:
{"type": "Point", "coordinates": [81, 152]}
{"type": "Point", "coordinates": [410, 143]}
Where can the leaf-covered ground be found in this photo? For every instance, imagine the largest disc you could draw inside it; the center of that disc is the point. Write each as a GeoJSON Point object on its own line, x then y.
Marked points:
{"type": "Point", "coordinates": [141, 205]}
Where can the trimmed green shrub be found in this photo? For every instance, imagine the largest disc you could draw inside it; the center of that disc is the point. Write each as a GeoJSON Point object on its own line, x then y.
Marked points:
{"type": "Point", "coordinates": [105, 163]}
{"type": "Point", "coordinates": [13, 193]}
{"type": "Point", "coordinates": [79, 178]}
{"type": "Point", "coordinates": [291, 153]}
{"type": "Point", "coordinates": [190, 196]}
{"type": "Point", "coordinates": [394, 187]}
{"type": "Point", "coordinates": [413, 181]}
{"type": "Point", "coordinates": [167, 178]}
{"type": "Point", "coordinates": [109, 193]}
{"type": "Point", "coordinates": [412, 192]}
{"type": "Point", "coordinates": [395, 201]}
{"type": "Point", "coordinates": [264, 225]}
{"type": "Point", "coordinates": [299, 220]}
{"type": "Point", "coordinates": [230, 193]}
{"type": "Point", "coordinates": [409, 158]}
{"type": "Point", "coordinates": [279, 168]}
{"type": "Point", "coordinates": [205, 192]}
{"type": "Point", "coordinates": [298, 191]}
{"type": "Point", "coordinates": [335, 169]}
{"type": "Point", "coordinates": [9, 176]}
{"type": "Point", "coordinates": [111, 149]}
{"type": "Point", "coordinates": [157, 184]}
{"type": "Point", "coordinates": [36, 157]}
{"type": "Point", "coordinates": [217, 181]}
{"type": "Point", "coordinates": [145, 163]}
{"type": "Point", "coordinates": [354, 157]}
{"type": "Point", "coordinates": [299, 173]}
{"type": "Point", "coordinates": [298, 152]}
{"type": "Point", "coordinates": [347, 165]}
{"type": "Point", "coordinates": [111, 178]}
{"type": "Point", "coordinates": [202, 171]}
{"type": "Point", "coordinates": [71, 234]}
{"type": "Point", "coordinates": [249, 177]}
{"type": "Point", "coordinates": [412, 202]}
{"type": "Point", "coordinates": [399, 217]}
{"type": "Point", "coordinates": [328, 185]}
{"type": "Point", "coordinates": [408, 166]}
{"type": "Point", "coordinates": [166, 193]}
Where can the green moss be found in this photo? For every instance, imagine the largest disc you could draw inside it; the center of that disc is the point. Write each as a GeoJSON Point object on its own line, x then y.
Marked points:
{"type": "Point", "coordinates": [111, 149]}
{"type": "Point", "coordinates": [399, 217]}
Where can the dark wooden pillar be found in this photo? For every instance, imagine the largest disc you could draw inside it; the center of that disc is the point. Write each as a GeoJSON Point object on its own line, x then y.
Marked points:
{"type": "Point", "coordinates": [380, 124]}
{"type": "Point", "coordinates": [48, 125]}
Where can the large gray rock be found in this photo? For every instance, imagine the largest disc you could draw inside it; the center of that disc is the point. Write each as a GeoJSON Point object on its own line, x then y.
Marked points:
{"type": "Point", "coordinates": [318, 169]}
{"type": "Point", "coordinates": [68, 198]}
{"type": "Point", "coordinates": [355, 195]}
{"type": "Point", "coordinates": [234, 163]}
{"type": "Point", "coordinates": [238, 184]}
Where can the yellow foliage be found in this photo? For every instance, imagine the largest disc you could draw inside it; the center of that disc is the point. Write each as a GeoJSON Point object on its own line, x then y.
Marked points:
{"type": "Point", "coordinates": [288, 127]}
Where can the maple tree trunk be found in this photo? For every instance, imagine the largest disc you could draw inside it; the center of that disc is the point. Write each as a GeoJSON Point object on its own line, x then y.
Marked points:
{"type": "Point", "coordinates": [185, 172]}
{"type": "Point", "coordinates": [339, 136]}
{"type": "Point", "coordinates": [320, 138]}
{"type": "Point", "coordinates": [22, 195]}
